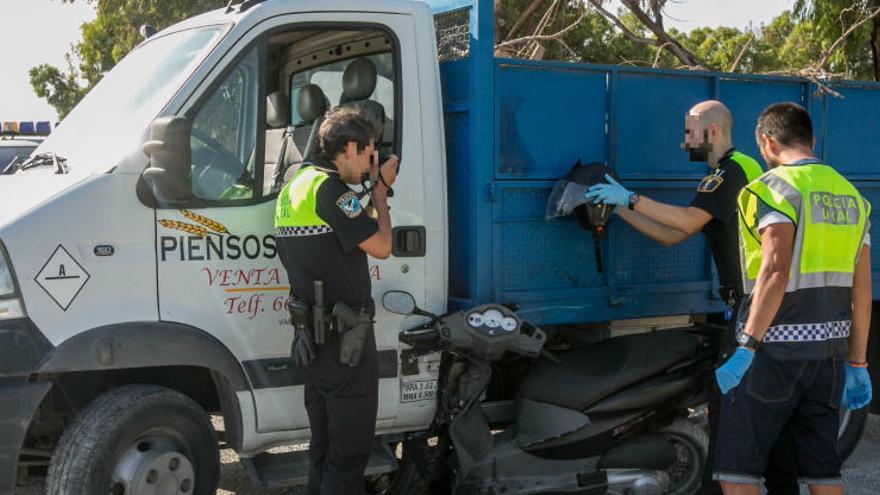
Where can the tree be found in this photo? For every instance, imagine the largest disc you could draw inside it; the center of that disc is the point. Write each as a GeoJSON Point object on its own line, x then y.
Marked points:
{"type": "Point", "coordinates": [105, 40]}
{"type": "Point", "coordinates": [836, 35]}
{"type": "Point", "coordinates": [858, 23]}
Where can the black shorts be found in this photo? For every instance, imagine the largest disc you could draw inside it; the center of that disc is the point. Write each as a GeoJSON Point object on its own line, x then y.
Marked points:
{"type": "Point", "coordinates": [799, 400]}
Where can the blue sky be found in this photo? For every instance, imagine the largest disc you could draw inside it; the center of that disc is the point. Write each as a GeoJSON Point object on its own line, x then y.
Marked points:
{"type": "Point", "coordinates": [38, 31]}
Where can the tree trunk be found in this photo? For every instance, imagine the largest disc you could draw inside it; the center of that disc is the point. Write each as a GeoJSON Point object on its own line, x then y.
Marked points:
{"type": "Point", "coordinates": [875, 46]}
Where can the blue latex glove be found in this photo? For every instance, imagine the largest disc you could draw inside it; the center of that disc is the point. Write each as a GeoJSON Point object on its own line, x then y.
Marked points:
{"type": "Point", "coordinates": [857, 390]}
{"type": "Point", "coordinates": [732, 371]}
{"type": "Point", "coordinates": [610, 194]}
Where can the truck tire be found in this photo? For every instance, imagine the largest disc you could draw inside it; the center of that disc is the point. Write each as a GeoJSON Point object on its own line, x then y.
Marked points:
{"type": "Point", "coordinates": [692, 447]}
{"type": "Point", "coordinates": [137, 439]}
{"type": "Point", "coordinates": [852, 425]}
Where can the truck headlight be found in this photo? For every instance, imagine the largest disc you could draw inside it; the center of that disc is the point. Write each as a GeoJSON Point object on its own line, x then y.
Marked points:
{"type": "Point", "coordinates": [11, 305]}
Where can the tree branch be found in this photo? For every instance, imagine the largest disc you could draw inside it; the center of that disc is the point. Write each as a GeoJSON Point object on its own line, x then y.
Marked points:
{"type": "Point", "coordinates": [533, 49]}
{"type": "Point", "coordinates": [597, 4]}
{"type": "Point", "coordinates": [657, 56]}
{"type": "Point", "coordinates": [523, 17]}
{"type": "Point", "coordinates": [736, 61]}
{"type": "Point", "coordinates": [836, 44]}
{"type": "Point", "coordinates": [543, 37]}
{"type": "Point", "coordinates": [680, 52]}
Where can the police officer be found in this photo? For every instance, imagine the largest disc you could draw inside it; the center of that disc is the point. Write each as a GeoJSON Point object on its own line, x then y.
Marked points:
{"type": "Point", "coordinates": [803, 327]}
{"type": "Point", "coordinates": [324, 236]}
{"type": "Point", "coordinates": [707, 138]}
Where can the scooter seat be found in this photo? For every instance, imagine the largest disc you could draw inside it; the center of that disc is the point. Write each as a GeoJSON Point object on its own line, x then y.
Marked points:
{"type": "Point", "coordinates": [586, 376]}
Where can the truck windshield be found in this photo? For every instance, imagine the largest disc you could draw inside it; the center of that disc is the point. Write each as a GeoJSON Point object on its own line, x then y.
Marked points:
{"type": "Point", "coordinates": [109, 123]}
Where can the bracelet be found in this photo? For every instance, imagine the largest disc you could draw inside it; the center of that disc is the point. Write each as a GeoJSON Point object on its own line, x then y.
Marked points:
{"type": "Point", "coordinates": [858, 365]}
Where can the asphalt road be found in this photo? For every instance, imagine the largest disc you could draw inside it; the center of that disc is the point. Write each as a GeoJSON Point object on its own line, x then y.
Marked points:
{"type": "Point", "coordinates": [861, 472]}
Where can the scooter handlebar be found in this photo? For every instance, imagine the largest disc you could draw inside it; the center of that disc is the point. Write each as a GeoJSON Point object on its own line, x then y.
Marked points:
{"type": "Point", "coordinates": [479, 333]}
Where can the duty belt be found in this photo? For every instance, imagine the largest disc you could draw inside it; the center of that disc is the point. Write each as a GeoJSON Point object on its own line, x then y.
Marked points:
{"type": "Point", "coordinates": [319, 321]}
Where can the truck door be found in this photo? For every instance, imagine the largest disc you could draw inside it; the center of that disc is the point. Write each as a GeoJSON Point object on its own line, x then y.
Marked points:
{"type": "Point", "coordinates": [218, 264]}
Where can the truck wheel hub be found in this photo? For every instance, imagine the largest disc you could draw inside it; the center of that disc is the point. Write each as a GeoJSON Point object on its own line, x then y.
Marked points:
{"type": "Point", "coordinates": [153, 466]}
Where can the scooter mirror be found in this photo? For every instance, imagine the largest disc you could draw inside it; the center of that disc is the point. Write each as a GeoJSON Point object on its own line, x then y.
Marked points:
{"type": "Point", "coordinates": [399, 302]}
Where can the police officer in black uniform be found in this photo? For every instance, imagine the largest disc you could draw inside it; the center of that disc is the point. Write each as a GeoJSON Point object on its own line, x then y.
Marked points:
{"type": "Point", "coordinates": [324, 235]}
{"type": "Point", "coordinates": [713, 210]}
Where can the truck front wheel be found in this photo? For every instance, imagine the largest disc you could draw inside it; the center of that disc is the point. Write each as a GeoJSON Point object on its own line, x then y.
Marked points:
{"type": "Point", "coordinates": [137, 440]}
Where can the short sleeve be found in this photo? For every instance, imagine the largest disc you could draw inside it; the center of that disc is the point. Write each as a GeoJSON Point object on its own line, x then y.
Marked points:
{"type": "Point", "coordinates": [340, 207]}
{"type": "Point", "coordinates": [771, 218]}
{"type": "Point", "coordinates": [718, 192]}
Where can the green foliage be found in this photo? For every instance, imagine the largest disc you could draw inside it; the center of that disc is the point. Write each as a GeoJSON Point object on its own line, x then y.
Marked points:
{"type": "Point", "coordinates": [792, 41]}
{"type": "Point", "coordinates": [105, 40]}
{"type": "Point", "coordinates": [831, 19]}
{"type": "Point", "coordinates": [59, 89]}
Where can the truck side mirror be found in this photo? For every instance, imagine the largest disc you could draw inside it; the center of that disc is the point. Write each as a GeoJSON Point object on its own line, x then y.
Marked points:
{"type": "Point", "coordinates": [168, 176]}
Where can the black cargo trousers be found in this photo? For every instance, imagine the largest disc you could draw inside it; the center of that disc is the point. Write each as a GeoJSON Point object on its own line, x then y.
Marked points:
{"type": "Point", "coordinates": [341, 402]}
{"type": "Point", "coordinates": [780, 475]}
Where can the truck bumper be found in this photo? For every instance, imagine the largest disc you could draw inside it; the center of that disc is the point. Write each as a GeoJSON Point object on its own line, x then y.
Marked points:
{"type": "Point", "coordinates": [18, 403]}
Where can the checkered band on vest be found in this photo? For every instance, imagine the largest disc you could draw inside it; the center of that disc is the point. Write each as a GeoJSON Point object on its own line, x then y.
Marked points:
{"type": "Point", "coordinates": [808, 332]}
{"type": "Point", "coordinates": [302, 231]}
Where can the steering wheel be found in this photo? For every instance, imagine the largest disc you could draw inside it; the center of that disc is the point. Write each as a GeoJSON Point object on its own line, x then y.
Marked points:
{"type": "Point", "coordinates": [214, 167]}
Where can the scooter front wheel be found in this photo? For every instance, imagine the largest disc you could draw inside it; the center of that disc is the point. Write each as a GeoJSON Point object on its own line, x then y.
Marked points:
{"type": "Point", "coordinates": [691, 449]}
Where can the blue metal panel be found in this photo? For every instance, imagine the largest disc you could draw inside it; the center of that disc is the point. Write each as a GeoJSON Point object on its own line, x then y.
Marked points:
{"type": "Point", "coordinates": [640, 260]}
{"type": "Point", "coordinates": [534, 254]}
{"type": "Point", "coordinates": [458, 178]}
{"type": "Point", "coordinates": [649, 123]}
{"type": "Point", "coordinates": [852, 145]}
{"type": "Point", "coordinates": [871, 192]}
{"type": "Point", "coordinates": [547, 118]}
{"type": "Point", "coordinates": [545, 266]}
{"type": "Point", "coordinates": [747, 99]}
{"type": "Point", "coordinates": [454, 82]}
{"type": "Point", "coordinates": [481, 118]}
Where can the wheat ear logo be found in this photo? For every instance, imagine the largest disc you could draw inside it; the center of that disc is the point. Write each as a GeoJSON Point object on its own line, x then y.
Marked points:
{"type": "Point", "coordinates": [205, 225]}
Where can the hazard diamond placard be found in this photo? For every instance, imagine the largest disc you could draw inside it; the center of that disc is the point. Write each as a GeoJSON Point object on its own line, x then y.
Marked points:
{"type": "Point", "coordinates": [62, 277]}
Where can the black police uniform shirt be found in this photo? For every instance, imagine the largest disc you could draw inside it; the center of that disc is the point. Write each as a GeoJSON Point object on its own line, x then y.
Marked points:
{"type": "Point", "coordinates": [334, 257]}
{"type": "Point", "coordinates": [718, 198]}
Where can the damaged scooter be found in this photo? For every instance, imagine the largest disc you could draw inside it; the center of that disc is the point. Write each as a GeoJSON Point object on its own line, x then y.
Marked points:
{"type": "Point", "coordinates": [614, 417]}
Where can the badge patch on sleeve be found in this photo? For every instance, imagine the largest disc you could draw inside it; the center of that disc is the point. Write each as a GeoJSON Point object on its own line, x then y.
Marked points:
{"type": "Point", "coordinates": [350, 204]}
{"type": "Point", "coordinates": [711, 182]}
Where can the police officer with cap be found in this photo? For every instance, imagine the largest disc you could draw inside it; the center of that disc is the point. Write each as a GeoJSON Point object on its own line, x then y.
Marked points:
{"type": "Point", "coordinates": [707, 138]}
{"type": "Point", "coordinates": [324, 236]}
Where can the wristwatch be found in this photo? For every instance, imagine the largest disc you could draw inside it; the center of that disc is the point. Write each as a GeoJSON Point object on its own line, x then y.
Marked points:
{"type": "Point", "coordinates": [747, 341]}
{"type": "Point", "coordinates": [632, 200]}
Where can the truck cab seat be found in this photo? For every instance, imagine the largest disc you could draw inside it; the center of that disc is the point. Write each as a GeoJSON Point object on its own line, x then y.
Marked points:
{"type": "Point", "coordinates": [281, 152]}
{"type": "Point", "coordinates": [311, 105]}
{"type": "Point", "coordinates": [586, 376]}
{"type": "Point", "coordinates": [358, 84]}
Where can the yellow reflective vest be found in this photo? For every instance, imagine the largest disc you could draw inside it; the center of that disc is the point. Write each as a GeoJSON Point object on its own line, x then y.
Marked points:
{"type": "Point", "coordinates": [830, 219]}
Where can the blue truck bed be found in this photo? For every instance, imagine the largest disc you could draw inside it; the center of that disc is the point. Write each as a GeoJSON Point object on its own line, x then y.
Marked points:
{"type": "Point", "coordinates": [514, 127]}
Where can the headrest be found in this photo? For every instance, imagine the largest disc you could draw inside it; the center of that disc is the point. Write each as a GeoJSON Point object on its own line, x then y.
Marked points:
{"type": "Point", "coordinates": [374, 113]}
{"type": "Point", "coordinates": [310, 102]}
{"type": "Point", "coordinates": [358, 80]}
{"type": "Point", "coordinates": [277, 110]}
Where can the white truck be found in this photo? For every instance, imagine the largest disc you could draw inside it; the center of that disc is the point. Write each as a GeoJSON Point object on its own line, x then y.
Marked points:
{"type": "Point", "coordinates": [141, 291]}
